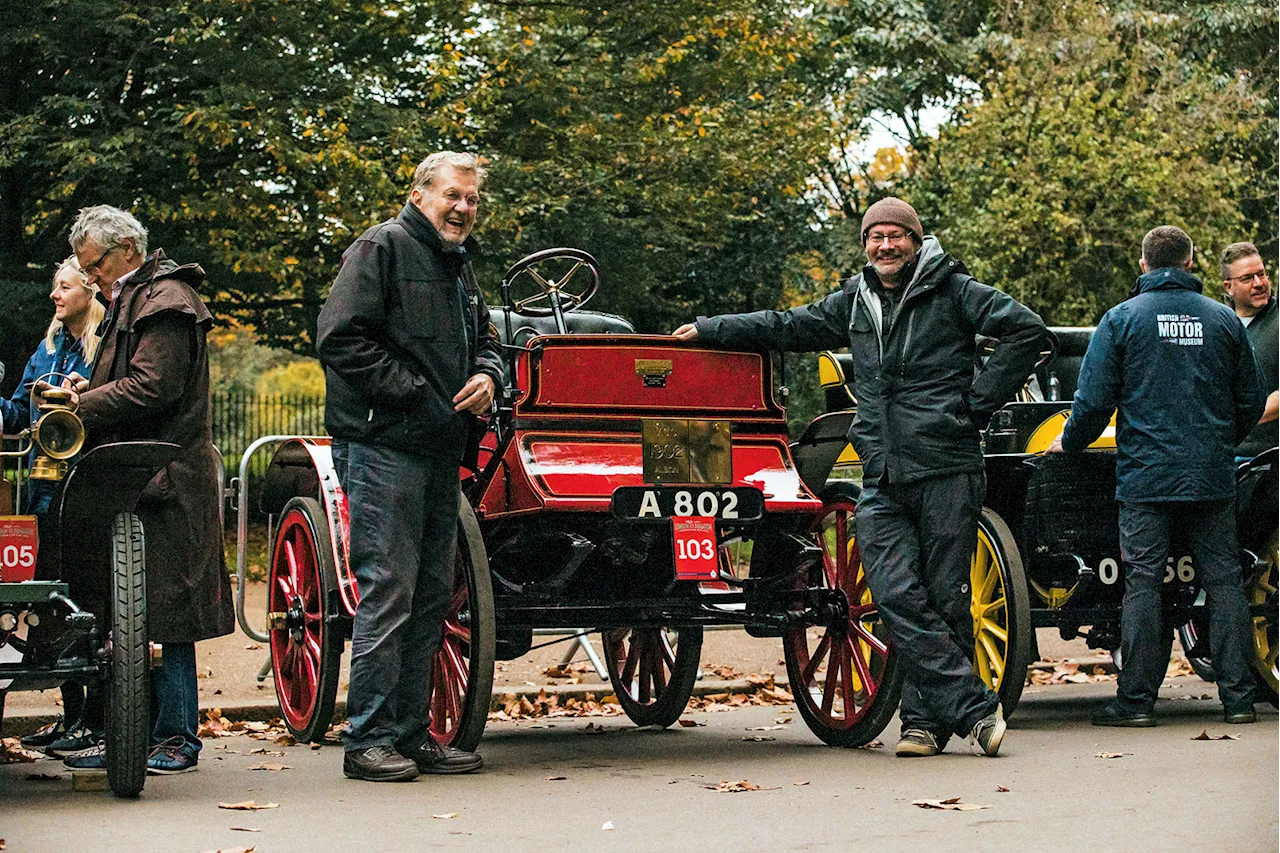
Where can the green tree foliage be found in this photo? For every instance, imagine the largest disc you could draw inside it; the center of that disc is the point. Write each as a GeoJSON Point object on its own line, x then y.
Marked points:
{"type": "Point", "coordinates": [1088, 130]}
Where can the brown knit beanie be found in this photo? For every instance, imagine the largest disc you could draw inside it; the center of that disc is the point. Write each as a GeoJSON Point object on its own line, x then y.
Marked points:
{"type": "Point", "coordinates": [892, 211]}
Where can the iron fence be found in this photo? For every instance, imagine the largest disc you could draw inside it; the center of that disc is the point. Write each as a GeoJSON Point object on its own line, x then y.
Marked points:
{"type": "Point", "coordinates": [239, 418]}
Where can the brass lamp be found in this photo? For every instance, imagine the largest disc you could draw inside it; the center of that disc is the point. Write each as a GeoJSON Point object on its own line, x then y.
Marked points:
{"type": "Point", "coordinates": [57, 435]}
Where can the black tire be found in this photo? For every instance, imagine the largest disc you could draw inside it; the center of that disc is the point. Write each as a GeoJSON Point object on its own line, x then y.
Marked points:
{"type": "Point", "coordinates": [462, 674]}
{"type": "Point", "coordinates": [306, 649]}
{"type": "Point", "coordinates": [652, 680]}
{"type": "Point", "coordinates": [869, 674]}
{"type": "Point", "coordinates": [1001, 605]}
{"type": "Point", "coordinates": [128, 706]}
{"type": "Point", "coordinates": [1191, 633]}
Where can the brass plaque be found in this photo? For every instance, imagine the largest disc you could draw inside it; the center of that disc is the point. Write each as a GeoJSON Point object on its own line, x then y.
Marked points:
{"type": "Point", "coordinates": [653, 367]}
{"type": "Point", "coordinates": [686, 450]}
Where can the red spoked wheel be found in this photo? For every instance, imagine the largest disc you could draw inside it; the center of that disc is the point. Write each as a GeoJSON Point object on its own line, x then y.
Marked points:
{"type": "Point", "coordinates": [306, 649]}
{"type": "Point", "coordinates": [845, 677]}
{"type": "Point", "coordinates": [462, 673]}
{"type": "Point", "coordinates": [653, 671]}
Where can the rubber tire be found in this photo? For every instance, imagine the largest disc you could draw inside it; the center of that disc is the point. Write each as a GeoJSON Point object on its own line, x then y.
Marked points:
{"type": "Point", "coordinates": [664, 708]}
{"type": "Point", "coordinates": [128, 706]}
{"type": "Point", "coordinates": [872, 719]}
{"type": "Point", "coordinates": [1019, 648]}
{"type": "Point", "coordinates": [1188, 634]}
{"type": "Point", "coordinates": [472, 711]}
{"type": "Point", "coordinates": [312, 725]}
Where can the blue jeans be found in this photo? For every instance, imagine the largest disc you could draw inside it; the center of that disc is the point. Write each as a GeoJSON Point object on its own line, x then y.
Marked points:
{"type": "Point", "coordinates": [917, 540]}
{"type": "Point", "coordinates": [175, 702]}
{"type": "Point", "coordinates": [404, 535]}
{"type": "Point", "coordinates": [1145, 640]}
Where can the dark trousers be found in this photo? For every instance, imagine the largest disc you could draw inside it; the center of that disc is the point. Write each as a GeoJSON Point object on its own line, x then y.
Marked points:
{"type": "Point", "coordinates": [1145, 640]}
{"type": "Point", "coordinates": [917, 542]}
{"type": "Point", "coordinates": [404, 516]}
{"type": "Point", "coordinates": [175, 699]}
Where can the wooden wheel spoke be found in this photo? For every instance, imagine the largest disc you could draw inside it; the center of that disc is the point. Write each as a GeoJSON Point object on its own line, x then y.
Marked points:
{"type": "Point", "coordinates": [815, 661]}
{"type": "Point", "coordinates": [456, 667]}
{"type": "Point", "coordinates": [871, 639]}
{"type": "Point", "coordinates": [994, 658]}
{"type": "Point", "coordinates": [995, 630]}
{"type": "Point", "coordinates": [633, 658]}
{"type": "Point", "coordinates": [864, 671]}
{"type": "Point", "coordinates": [834, 667]}
{"type": "Point", "coordinates": [999, 604]}
{"type": "Point", "coordinates": [457, 630]}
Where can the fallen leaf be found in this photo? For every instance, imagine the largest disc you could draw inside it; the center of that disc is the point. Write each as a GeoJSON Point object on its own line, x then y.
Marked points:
{"type": "Point", "coordinates": [233, 850]}
{"type": "Point", "coordinates": [245, 829]}
{"type": "Point", "coordinates": [606, 826]}
{"type": "Point", "coordinates": [782, 720]}
{"type": "Point", "coordinates": [799, 784]}
{"type": "Point", "coordinates": [758, 738]}
{"type": "Point", "coordinates": [267, 765]}
{"type": "Point", "coordinates": [690, 724]}
{"type": "Point", "coordinates": [556, 778]}
{"type": "Point", "coordinates": [763, 728]}
{"type": "Point", "coordinates": [1204, 735]}
{"type": "Point", "coordinates": [1111, 754]}
{"type": "Point", "coordinates": [249, 806]}
{"type": "Point", "coordinates": [738, 787]}
{"type": "Point", "coordinates": [252, 646]}
{"type": "Point", "coordinates": [952, 804]}
{"type": "Point", "coordinates": [1002, 789]}
{"type": "Point", "coordinates": [446, 816]}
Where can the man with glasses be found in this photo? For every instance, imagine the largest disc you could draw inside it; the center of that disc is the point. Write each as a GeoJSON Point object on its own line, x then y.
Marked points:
{"type": "Point", "coordinates": [150, 382]}
{"type": "Point", "coordinates": [1244, 277]}
{"type": "Point", "coordinates": [909, 320]}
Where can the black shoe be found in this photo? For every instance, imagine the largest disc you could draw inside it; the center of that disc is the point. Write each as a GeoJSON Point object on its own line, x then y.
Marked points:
{"type": "Point", "coordinates": [1113, 716]}
{"type": "Point", "coordinates": [431, 757]}
{"type": "Point", "coordinates": [378, 764]}
{"type": "Point", "coordinates": [1241, 714]}
{"type": "Point", "coordinates": [39, 740]}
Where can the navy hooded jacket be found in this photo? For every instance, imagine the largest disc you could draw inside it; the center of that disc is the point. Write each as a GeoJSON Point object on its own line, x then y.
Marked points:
{"type": "Point", "coordinates": [1178, 370]}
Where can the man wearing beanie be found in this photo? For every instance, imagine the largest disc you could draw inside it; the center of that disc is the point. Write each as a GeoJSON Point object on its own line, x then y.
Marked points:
{"type": "Point", "coordinates": [910, 319]}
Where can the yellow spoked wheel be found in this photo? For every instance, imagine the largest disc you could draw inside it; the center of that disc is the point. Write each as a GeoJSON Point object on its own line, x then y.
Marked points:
{"type": "Point", "coordinates": [1001, 608]}
{"type": "Point", "coordinates": [1262, 591]}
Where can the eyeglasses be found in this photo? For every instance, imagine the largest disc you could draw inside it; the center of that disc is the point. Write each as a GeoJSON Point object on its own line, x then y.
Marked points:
{"type": "Point", "coordinates": [90, 269]}
{"type": "Point", "coordinates": [1248, 278]}
{"type": "Point", "coordinates": [872, 239]}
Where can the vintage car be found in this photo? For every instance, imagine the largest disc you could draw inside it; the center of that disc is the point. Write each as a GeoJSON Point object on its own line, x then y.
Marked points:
{"type": "Point", "coordinates": [630, 485]}
{"type": "Point", "coordinates": [73, 604]}
{"type": "Point", "coordinates": [1047, 553]}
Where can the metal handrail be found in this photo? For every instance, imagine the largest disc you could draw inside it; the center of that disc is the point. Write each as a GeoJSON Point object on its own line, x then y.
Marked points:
{"type": "Point", "coordinates": [240, 489]}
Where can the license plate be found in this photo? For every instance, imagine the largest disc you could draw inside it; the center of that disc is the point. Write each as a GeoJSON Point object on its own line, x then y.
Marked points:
{"type": "Point", "coordinates": [693, 542]}
{"type": "Point", "coordinates": [654, 503]}
{"type": "Point", "coordinates": [18, 545]}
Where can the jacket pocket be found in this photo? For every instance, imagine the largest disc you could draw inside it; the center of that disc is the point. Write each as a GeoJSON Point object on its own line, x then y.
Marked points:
{"type": "Point", "coordinates": [431, 311]}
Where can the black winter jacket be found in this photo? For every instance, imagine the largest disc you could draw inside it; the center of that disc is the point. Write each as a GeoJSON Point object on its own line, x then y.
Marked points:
{"type": "Point", "coordinates": [1177, 369]}
{"type": "Point", "coordinates": [920, 406]}
{"type": "Point", "coordinates": [1265, 338]}
{"type": "Point", "coordinates": [392, 340]}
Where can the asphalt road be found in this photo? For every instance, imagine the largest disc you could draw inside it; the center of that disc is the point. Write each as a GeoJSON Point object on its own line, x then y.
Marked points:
{"type": "Point", "coordinates": [1167, 792]}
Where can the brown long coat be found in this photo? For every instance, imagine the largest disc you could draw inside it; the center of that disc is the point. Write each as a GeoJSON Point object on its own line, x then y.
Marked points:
{"type": "Point", "coordinates": [151, 382]}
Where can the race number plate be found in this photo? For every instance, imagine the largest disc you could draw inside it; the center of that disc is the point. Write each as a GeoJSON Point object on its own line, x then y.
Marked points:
{"type": "Point", "coordinates": [655, 503]}
{"type": "Point", "coordinates": [694, 542]}
{"type": "Point", "coordinates": [18, 546]}
{"type": "Point", "coordinates": [685, 450]}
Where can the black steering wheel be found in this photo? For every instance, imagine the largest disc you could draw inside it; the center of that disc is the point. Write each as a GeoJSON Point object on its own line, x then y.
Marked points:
{"type": "Point", "coordinates": [557, 282]}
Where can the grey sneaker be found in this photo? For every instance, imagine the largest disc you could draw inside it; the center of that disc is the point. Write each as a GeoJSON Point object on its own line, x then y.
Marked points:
{"type": "Point", "coordinates": [81, 740]}
{"type": "Point", "coordinates": [988, 732]}
{"type": "Point", "coordinates": [916, 743]}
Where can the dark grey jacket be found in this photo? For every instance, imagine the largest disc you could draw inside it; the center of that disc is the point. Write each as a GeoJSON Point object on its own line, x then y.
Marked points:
{"type": "Point", "coordinates": [395, 343]}
{"type": "Point", "coordinates": [920, 406]}
{"type": "Point", "coordinates": [1264, 335]}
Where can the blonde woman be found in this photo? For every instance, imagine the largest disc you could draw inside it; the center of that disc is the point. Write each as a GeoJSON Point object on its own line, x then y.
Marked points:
{"type": "Point", "coordinates": [69, 346]}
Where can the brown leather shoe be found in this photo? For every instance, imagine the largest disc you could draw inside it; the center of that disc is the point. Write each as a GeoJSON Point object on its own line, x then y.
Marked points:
{"type": "Point", "coordinates": [378, 764]}
{"type": "Point", "coordinates": [431, 757]}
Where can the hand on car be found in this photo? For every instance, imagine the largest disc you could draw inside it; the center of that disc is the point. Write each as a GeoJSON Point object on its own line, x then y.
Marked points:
{"type": "Point", "coordinates": [1056, 446]}
{"type": "Point", "coordinates": [687, 332]}
{"type": "Point", "coordinates": [476, 396]}
{"type": "Point", "coordinates": [38, 390]}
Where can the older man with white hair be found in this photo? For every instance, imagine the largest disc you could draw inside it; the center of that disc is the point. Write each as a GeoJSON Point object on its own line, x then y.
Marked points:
{"type": "Point", "coordinates": [410, 358]}
{"type": "Point", "coordinates": [150, 382]}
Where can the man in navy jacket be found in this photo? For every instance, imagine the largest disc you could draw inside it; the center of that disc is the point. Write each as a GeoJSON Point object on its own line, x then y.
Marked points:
{"type": "Point", "coordinates": [1178, 370]}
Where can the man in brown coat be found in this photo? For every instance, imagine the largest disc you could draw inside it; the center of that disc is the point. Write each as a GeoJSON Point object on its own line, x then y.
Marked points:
{"type": "Point", "coordinates": [151, 382]}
